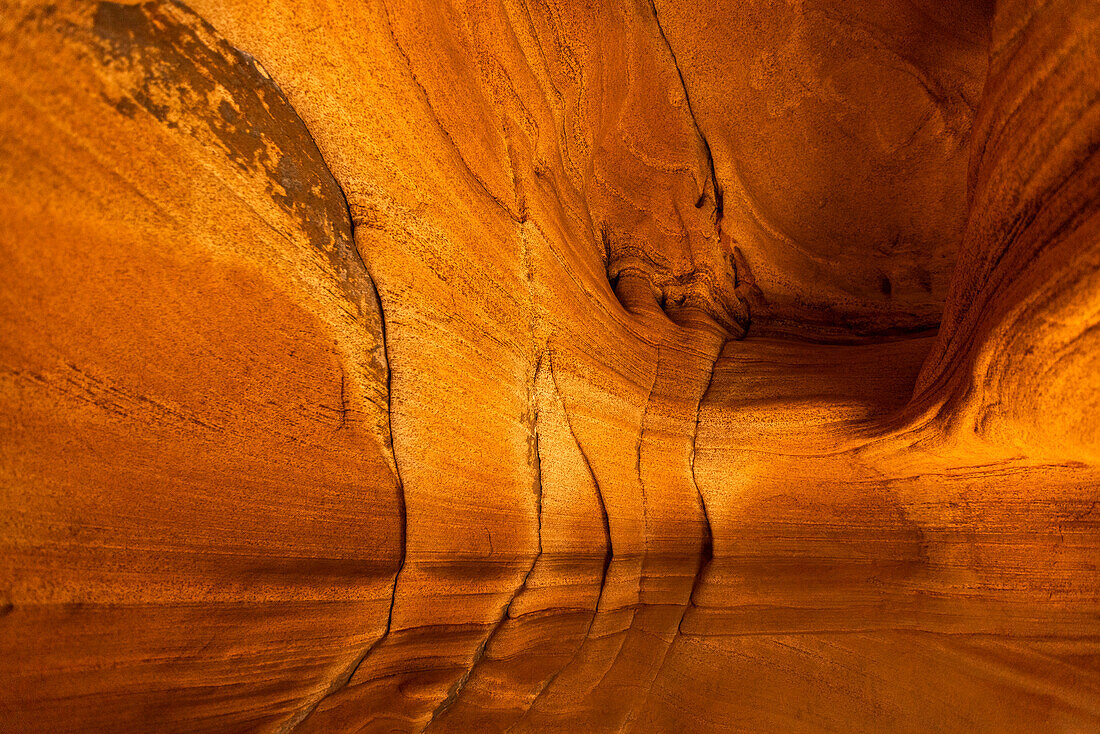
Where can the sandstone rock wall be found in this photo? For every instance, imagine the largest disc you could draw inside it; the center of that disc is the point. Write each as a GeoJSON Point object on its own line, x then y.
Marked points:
{"type": "Point", "coordinates": [543, 366]}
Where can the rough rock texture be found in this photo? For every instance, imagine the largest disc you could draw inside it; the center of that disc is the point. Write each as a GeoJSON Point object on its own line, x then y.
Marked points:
{"type": "Point", "coordinates": [520, 365]}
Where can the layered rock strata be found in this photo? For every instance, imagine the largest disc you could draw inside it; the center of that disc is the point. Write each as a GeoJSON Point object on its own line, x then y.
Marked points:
{"type": "Point", "coordinates": [533, 366]}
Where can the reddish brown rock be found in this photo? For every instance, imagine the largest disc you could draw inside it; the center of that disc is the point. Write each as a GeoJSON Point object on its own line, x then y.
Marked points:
{"type": "Point", "coordinates": [522, 366]}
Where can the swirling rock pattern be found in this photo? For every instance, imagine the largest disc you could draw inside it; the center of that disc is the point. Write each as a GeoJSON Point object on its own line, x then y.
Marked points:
{"type": "Point", "coordinates": [538, 366]}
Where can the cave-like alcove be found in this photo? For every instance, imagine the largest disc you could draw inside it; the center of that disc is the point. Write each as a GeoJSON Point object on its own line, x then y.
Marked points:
{"type": "Point", "coordinates": [550, 366]}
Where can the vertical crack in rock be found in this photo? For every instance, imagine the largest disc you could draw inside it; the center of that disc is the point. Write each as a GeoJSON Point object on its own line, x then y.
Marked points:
{"type": "Point", "coordinates": [638, 457]}
{"type": "Point", "coordinates": [167, 60]}
{"type": "Point", "coordinates": [706, 549]}
{"type": "Point", "coordinates": [588, 465]}
{"type": "Point", "coordinates": [698, 130]}
{"type": "Point", "coordinates": [460, 684]}
{"type": "Point", "coordinates": [645, 525]}
{"type": "Point", "coordinates": [708, 539]}
{"type": "Point", "coordinates": [608, 556]}
{"type": "Point", "coordinates": [342, 680]}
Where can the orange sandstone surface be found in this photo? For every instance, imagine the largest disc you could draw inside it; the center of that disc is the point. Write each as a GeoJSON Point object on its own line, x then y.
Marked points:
{"type": "Point", "coordinates": [546, 366]}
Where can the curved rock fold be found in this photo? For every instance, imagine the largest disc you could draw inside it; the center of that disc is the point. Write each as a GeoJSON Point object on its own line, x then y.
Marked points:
{"type": "Point", "coordinates": [524, 366]}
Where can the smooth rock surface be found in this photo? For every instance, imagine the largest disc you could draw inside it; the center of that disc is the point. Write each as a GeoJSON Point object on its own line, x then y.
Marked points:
{"type": "Point", "coordinates": [550, 367]}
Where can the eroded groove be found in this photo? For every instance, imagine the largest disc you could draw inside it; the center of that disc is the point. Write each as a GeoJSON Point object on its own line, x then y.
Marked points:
{"type": "Point", "coordinates": [633, 608]}
{"type": "Point", "coordinates": [588, 464]}
{"type": "Point", "coordinates": [706, 549]}
{"type": "Point", "coordinates": [708, 540]}
{"type": "Point", "coordinates": [460, 684]}
{"type": "Point", "coordinates": [638, 454]}
{"type": "Point", "coordinates": [342, 680]}
{"type": "Point", "coordinates": [610, 554]}
{"type": "Point", "coordinates": [694, 120]}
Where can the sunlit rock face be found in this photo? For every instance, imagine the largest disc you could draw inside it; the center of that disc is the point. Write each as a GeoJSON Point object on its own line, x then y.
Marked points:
{"type": "Point", "coordinates": [550, 367]}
